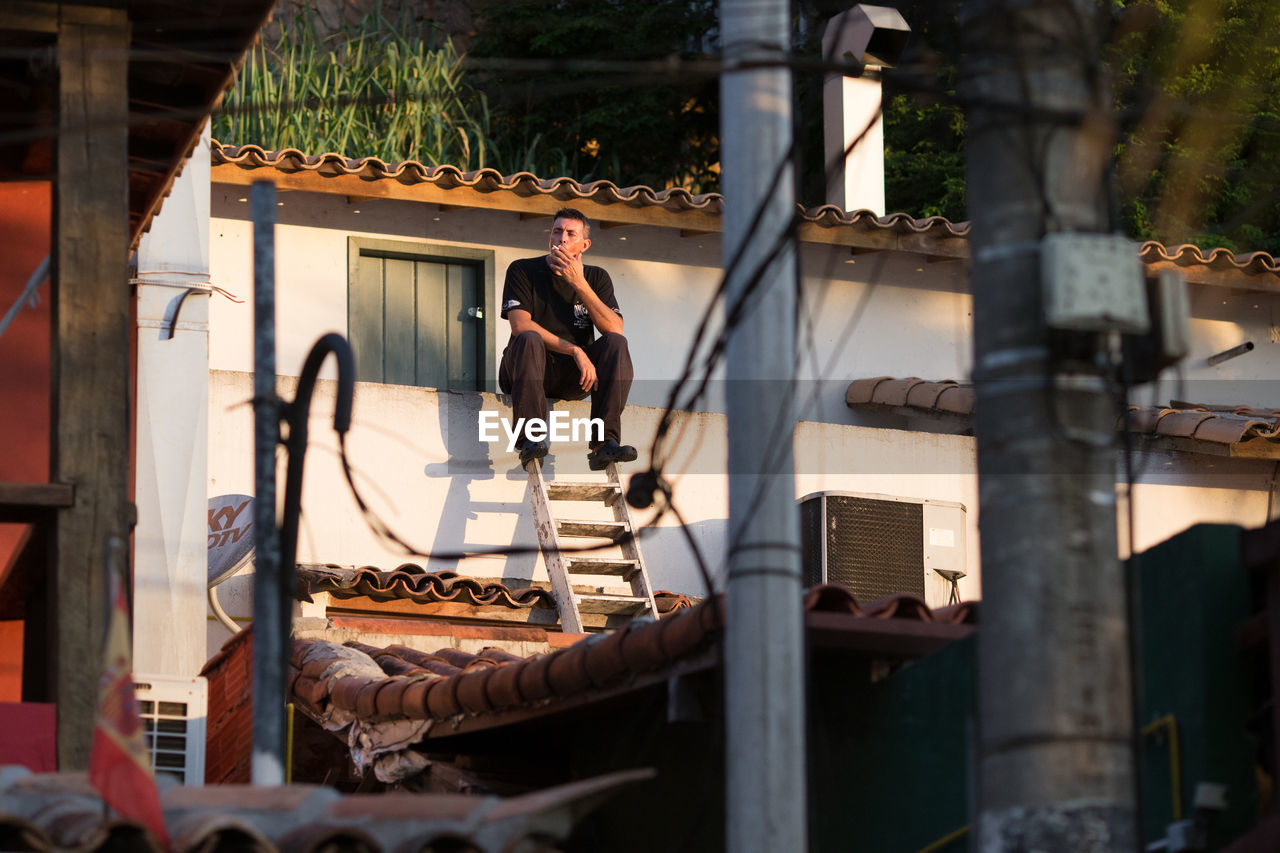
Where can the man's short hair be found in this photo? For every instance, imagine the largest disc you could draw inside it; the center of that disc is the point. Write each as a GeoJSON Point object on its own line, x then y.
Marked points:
{"type": "Point", "coordinates": [574, 213]}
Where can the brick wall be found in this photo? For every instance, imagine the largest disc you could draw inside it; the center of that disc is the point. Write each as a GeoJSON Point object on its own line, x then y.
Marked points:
{"type": "Point", "coordinates": [229, 733]}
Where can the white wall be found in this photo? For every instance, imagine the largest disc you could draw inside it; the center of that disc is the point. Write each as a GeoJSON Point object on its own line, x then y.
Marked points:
{"type": "Point", "coordinates": [871, 314]}
{"type": "Point", "coordinates": [863, 315]}
{"type": "Point", "coordinates": [169, 565]}
{"type": "Point", "coordinates": [860, 312]}
{"type": "Point", "coordinates": [423, 470]}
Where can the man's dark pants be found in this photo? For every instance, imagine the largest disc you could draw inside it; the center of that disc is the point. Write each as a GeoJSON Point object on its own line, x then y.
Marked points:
{"type": "Point", "coordinates": [530, 375]}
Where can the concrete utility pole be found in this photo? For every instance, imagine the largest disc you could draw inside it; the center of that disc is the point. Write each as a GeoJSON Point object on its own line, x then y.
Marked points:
{"type": "Point", "coordinates": [1054, 742]}
{"type": "Point", "coordinates": [764, 659]}
{"type": "Point", "coordinates": [270, 616]}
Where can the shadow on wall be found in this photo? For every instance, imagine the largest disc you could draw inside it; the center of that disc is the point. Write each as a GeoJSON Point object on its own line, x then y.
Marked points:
{"type": "Point", "coordinates": [469, 460]}
{"type": "Point", "coordinates": [711, 537]}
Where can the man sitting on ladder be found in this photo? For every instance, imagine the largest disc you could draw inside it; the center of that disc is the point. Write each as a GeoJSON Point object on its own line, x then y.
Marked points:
{"type": "Point", "coordinates": [555, 304]}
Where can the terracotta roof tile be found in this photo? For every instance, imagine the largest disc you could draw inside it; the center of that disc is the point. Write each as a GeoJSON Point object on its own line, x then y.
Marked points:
{"type": "Point", "coordinates": [1213, 425]}
{"type": "Point", "coordinates": [525, 185]}
{"type": "Point", "coordinates": [62, 812]}
{"type": "Point", "coordinates": [863, 390]}
{"type": "Point", "coordinates": [1187, 255]}
{"type": "Point", "coordinates": [495, 681]}
{"type": "Point", "coordinates": [1181, 424]}
{"type": "Point", "coordinates": [675, 200]}
{"type": "Point", "coordinates": [412, 582]}
{"type": "Point", "coordinates": [956, 399]}
{"type": "Point", "coordinates": [893, 392]}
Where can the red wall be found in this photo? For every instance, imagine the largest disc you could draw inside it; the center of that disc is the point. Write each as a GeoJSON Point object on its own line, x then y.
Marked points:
{"type": "Point", "coordinates": [27, 736]}
{"type": "Point", "coordinates": [11, 660]}
{"type": "Point", "coordinates": [24, 347]}
{"type": "Point", "coordinates": [25, 222]}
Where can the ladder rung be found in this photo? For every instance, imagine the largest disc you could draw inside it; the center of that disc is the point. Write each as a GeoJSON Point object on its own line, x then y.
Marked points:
{"type": "Point", "coordinates": [612, 605]}
{"type": "Point", "coordinates": [614, 530]}
{"type": "Point", "coordinates": [605, 492]}
{"type": "Point", "coordinates": [601, 566]}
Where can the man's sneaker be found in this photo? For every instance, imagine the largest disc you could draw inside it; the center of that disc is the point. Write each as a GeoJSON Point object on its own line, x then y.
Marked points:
{"type": "Point", "coordinates": [534, 450]}
{"type": "Point", "coordinates": [610, 451]}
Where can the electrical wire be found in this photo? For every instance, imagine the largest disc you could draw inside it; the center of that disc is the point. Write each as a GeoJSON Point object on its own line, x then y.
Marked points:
{"type": "Point", "coordinates": [687, 69]}
{"type": "Point", "coordinates": [734, 314]}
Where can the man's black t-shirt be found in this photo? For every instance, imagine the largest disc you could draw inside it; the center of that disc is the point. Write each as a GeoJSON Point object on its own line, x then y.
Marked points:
{"type": "Point", "coordinates": [551, 302]}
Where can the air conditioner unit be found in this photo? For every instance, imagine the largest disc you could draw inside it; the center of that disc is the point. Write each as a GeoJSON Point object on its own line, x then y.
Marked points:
{"type": "Point", "coordinates": [878, 545]}
{"type": "Point", "coordinates": [174, 712]}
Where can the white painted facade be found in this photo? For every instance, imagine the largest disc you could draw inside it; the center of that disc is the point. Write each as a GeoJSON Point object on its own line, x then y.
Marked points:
{"type": "Point", "coordinates": [422, 467]}
{"type": "Point", "coordinates": [172, 304]}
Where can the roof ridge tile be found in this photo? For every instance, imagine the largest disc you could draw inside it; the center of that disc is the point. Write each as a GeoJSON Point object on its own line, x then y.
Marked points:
{"type": "Point", "coordinates": [250, 156]}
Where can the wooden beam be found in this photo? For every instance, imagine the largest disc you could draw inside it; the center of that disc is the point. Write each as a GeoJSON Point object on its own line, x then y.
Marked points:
{"type": "Point", "coordinates": [1255, 282]}
{"type": "Point", "coordinates": [30, 17]}
{"type": "Point", "coordinates": [20, 16]}
{"type": "Point", "coordinates": [891, 639]}
{"type": "Point", "coordinates": [455, 611]}
{"type": "Point", "coordinates": [91, 358]}
{"type": "Point", "coordinates": [26, 502]}
{"type": "Point", "coordinates": [362, 605]}
{"type": "Point", "coordinates": [1254, 448]}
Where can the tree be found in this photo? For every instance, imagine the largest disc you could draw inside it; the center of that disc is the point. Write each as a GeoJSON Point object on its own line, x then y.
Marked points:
{"type": "Point", "coordinates": [1198, 86]}
{"type": "Point", "coordinates": [1197, 91]}
{"type": "Point", "coordinates": [623, 128]}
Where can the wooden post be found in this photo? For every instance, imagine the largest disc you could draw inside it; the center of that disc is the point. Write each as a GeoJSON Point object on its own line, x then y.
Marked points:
{"type": "Point", "coordinates": [91, 363]}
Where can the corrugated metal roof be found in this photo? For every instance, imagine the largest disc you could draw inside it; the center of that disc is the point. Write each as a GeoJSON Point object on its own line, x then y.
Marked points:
{"type": "Point", "coordinates": [62, 812]}
{"type": "Point", "coordinates": [934, 233]}
{"type": "Point", "coordinates": [1208, 426]}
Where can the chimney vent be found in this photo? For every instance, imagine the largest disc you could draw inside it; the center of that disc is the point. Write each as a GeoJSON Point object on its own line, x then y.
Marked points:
{"type": "Point", "coordinates": [872, 37]}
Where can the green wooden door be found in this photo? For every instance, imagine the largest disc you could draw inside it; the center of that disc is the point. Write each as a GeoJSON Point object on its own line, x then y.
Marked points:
{"type": "Point", "coordinates": [412, 322]}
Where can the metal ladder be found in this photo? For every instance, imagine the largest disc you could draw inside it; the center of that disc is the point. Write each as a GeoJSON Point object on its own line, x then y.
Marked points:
{"type": "Point", "coordinates": [561, 566]}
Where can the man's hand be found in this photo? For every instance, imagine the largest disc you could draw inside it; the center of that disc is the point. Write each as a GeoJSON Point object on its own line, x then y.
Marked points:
{"type": "Point", "coordinates": [587, 380]}
{"type": "Point", "coordinates": [568, 266]}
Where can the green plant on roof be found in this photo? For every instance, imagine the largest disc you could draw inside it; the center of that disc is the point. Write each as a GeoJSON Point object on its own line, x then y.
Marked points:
{"type": "Point", "coordinates": [378, 88]}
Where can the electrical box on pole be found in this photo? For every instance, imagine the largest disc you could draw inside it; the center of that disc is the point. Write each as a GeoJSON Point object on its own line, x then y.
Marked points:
{"type": "Point", "coordinates": [1093, 283]}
